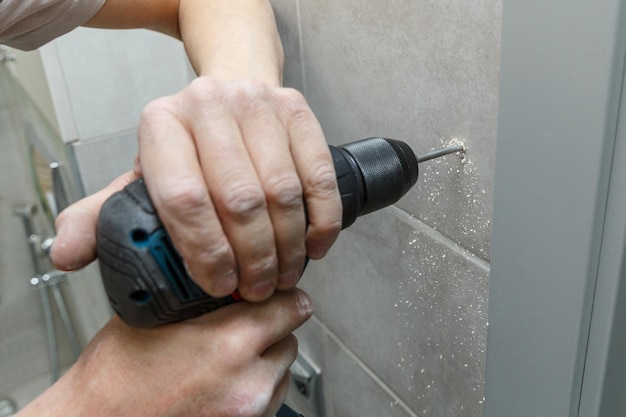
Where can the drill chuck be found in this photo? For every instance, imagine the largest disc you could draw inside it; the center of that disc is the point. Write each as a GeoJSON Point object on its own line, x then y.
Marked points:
{"type": "Point", "coordinates": [385, 169]}
{"type": "Point", "coordinates": [143, 274]}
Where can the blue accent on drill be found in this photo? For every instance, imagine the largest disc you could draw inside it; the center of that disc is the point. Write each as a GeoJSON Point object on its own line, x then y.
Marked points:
{"type": "Point", "coordinates": [172, 266]}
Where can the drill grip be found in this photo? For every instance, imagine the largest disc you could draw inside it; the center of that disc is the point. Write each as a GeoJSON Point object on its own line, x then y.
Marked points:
{"type": "Point", "coordinates": [143, 274]}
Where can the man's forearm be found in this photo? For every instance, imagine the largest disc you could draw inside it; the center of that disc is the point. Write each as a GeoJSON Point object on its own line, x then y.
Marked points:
{"type": "Point", "coordinates": [224, 39]}
{"type": "Point", "coordinates": [232, 39]}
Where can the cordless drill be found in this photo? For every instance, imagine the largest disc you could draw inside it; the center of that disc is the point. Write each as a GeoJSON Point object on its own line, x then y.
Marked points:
{"type": "Point", "coordinates": [143, 274]}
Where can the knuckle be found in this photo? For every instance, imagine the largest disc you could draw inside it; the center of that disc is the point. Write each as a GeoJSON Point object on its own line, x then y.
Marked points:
{"type": "Point", "coordinates": [157, 107]}
{"type": "Point", "coordinates": [263, 265]}
{"type": "Point", "coordinates": [251, 88]}
{"type": "Point", "coordinates": [217, 254]}
{"type": "Point", "coordinates": [243, 200]}
{"type": "Point", "coordinates": [186, 196]}
{"type": "Point", "coordinates": [284, 191]}
{"type": "Point", "coordinates": [296, 253]}
{"type": "Point", "coordinates": [303, 118]}
{"type": "Point", "coordinates": [253, 98]}
{"type": "Point", "coordinates": [202, 88]}
{"type": "Point", "coordinates": [294, 106]}
{"type": "Point", "coordinates": [236, 342]}
{"type": "Point", "coordinates": [323, 182]}
{"type": "Point", "coordinates": [204, 96]}
{"type": "Point", "coordinates": [292, 99]}
{"type": "Point", "coordinates": [333, 227]}
{"type": "Point", "coordinates": [244, 94]}
{"type": "Point", "coordinates": [154, 114]}
{"type": "Point", "coordinates": [330, 227]}
{"type": "Point", "coordinates": [325, 230]}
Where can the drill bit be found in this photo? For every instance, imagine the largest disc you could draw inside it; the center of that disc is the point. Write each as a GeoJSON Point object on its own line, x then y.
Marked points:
{"type": "Point", "coordinates": [456, 147]}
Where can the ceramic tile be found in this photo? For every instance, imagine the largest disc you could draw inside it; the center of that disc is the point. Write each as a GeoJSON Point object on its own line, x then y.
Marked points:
{"type": "Point", "coordinates": [410, 304]}
{"type": "Point", "coordinates": [125, 71]}
{"type": "Point", "coordinates": [424, 72]}
{"type": "Point", "coordinates": [355, 391]}
{"type": "Point", "coordinates": [102, 160]}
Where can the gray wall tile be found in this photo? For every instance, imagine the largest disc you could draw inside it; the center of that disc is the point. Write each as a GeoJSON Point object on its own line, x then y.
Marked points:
{"type": "Point", "coordinates": [424, 72]}
{"type": "Point", "coordinates": [100, 161]}
{"type": "Point", "coordinates": [356, 392]}
{"type": "Point", "coordinates": [412, 305]}
{"type": "Point", "coordinates": [402, 296]}
{"type": "Point", "coordinates": [126, 70]}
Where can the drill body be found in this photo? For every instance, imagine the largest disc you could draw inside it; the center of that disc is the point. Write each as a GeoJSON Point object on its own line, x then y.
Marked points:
{"type": "Point", "coordinates": [143, 274]}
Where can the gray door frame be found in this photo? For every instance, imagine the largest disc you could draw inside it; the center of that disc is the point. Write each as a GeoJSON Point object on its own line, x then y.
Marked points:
{"type": "Point", "coordinates": [557, 309]}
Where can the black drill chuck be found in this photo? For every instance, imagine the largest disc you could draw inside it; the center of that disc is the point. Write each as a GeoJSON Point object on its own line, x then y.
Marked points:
{"type": "Point", "coordinates": [372, 174]}
{"type": "Point", "coordinates": [145, 278]}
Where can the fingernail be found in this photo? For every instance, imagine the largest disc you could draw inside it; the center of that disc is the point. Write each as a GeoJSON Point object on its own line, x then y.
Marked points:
{"type": "Point", "coordinates": [54, 255]}
{"type": "Point", "coordinates": [305, 305]}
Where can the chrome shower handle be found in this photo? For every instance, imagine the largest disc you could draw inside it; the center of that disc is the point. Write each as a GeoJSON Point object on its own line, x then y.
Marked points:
{"type": "Point", "coordinates": [60, 190]}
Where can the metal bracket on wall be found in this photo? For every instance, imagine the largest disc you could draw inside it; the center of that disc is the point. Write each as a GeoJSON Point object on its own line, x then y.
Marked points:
{"type": "Point", "coordinates": [306, 378]}
{"type": "Point", "coordinates": [7, 407]}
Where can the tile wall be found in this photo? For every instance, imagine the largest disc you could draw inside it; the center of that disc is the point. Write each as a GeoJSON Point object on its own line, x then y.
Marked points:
{"type": "Point", "coordinates": [401, 321]}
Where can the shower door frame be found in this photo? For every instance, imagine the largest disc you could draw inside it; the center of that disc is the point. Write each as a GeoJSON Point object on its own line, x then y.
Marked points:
{"type": "Point", "coordinates": [557, 309]}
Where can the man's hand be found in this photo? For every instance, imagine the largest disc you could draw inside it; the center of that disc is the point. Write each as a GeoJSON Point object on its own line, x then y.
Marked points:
{"type": "Point", "coordinates": [231, 362]}
{"type": "Point", "coordinates": [229, 166]}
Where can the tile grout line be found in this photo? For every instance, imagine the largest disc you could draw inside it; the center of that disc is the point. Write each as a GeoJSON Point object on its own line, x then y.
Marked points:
{"type": "Point", "coordinates": [328, 405]}
{"type": "Point", "coordinates": [377, 380]}
{"type": "Point", "coordinates": [440, 238]}
{"type": "Point", "coordinates": [301, 45]}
